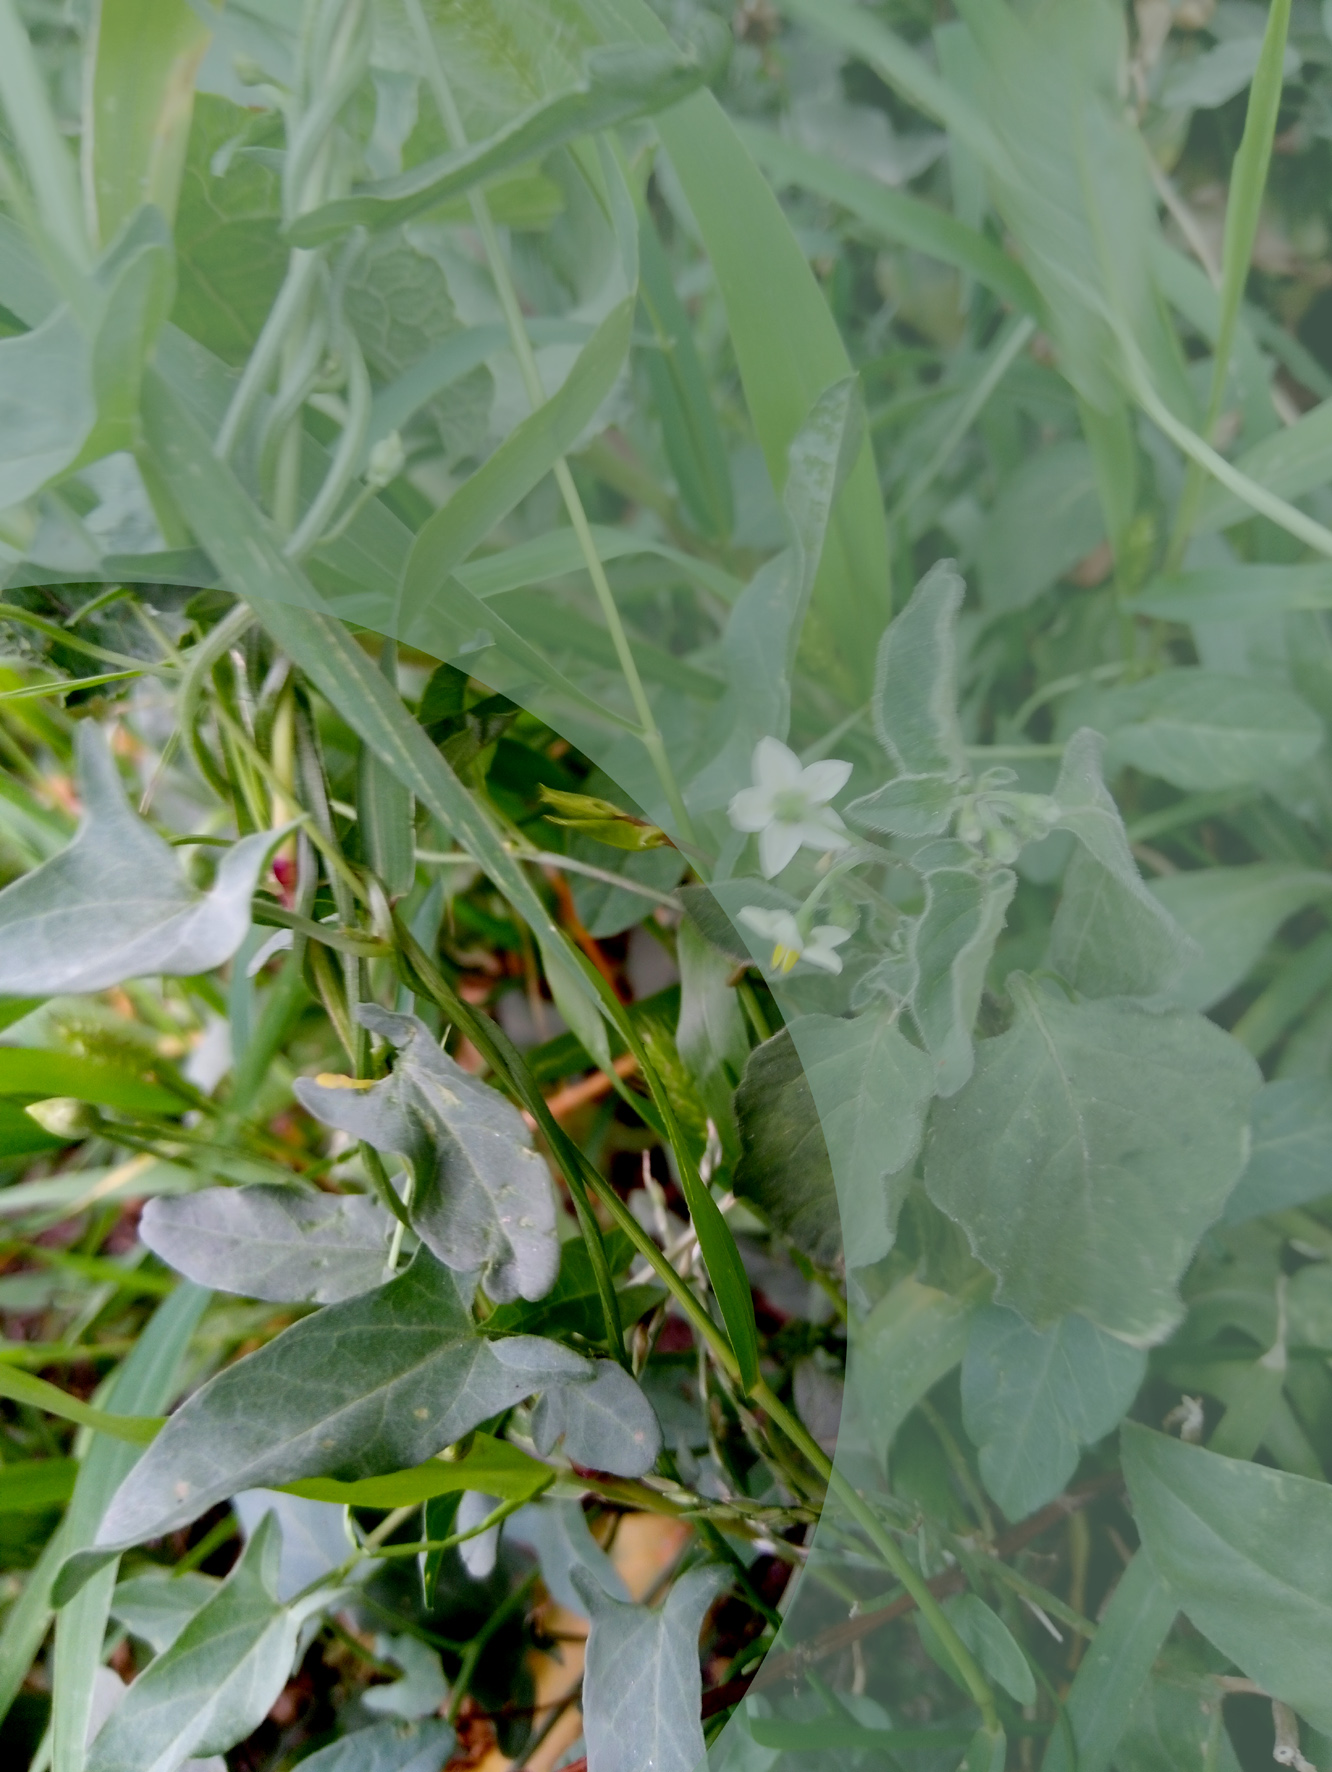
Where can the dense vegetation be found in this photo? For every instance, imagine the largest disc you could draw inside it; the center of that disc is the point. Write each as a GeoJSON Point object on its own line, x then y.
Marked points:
{"type": "Point", "coordinates": [664, 708]}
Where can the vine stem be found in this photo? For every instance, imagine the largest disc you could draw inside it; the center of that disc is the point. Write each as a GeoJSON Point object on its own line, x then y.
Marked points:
{"type": "Point", "coordinates": [649, 733]}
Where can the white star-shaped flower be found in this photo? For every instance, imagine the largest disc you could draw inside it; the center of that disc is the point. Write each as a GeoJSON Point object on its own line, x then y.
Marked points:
{"type": "Point", "coordinates": [788, 805]}
{"type": "Point", "coordinates": [790, 943]}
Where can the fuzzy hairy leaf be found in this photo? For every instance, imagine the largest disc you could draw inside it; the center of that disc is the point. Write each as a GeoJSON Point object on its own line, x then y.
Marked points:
{"type": "Point", "coordinates": [483, 1198]}
{"type": "Point", "coordinates": [114, 904]}
{"type": "Point", "coordinates": [1247, 1553]}
{"type": "Point", "coordinates": [307, 1405]}
{"type": "Point", "coordinates": [1032, 1401]}
{"type": "Point", "coordinates": [642, 1687]}
{"type": "Point", "coordinates": [607, 1425]}
{"type": "Point", "coordinates": [1089, 1152]}
{"type": "Point", "coordinates": [915, 682]}
{"type": "Point", "coordinates": [276, 1243]}
{"type": "Point", "coordinates": [1231, 914]}
{"type": "Point", "coordinates": [951, 946]}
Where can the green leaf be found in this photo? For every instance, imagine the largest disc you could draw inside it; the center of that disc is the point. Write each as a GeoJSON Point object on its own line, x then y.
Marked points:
{"type": "Point", "coordinates": [22, 1387]}
{"type": "Point", "coordinates": [1231, 914]}
{"type": "Point", "coordinates": [892, 215]}
{"type": "Point", "coordinates": [784, 1168]}
{"type": "Point", "coordinates": [1245, 1551]}
{"type": "Point", "coordinates": [1047, 517]}
{"type": "Point", "coordinates": [250, 562]}
{"type": "Point", "coordinates": [1256, 592]}
{"type": "Point", "coordinates": [157, 1605]}
{"type": "Point", "coordinates": [298, 1407]}
{"type": "Point", "coordinates": [1033, 1402]}
{"type": "Point", "coordinates": [422, 1689]}
{"type": "Point", "coordinates": [1292, 1134]}
{"type": "Point", "coordinates": [384, 808]}
{"type": "Point", "coordinates": [35, 1075]}
{"type": "Point", "coordinates": [483, 1199]}
{"type": "Point", "coordinates": [641, 1684]}
{"type": "Point", "coordinates": [48, 407]}
{"type": "Point", "coordinates": [492, 1466]}
{"type": "Point", "coordinates": [608, 1425]}
{"type": "Point", "coordinates": [915, 681]}
{"type": "Point", "coordinates": [1113, 1671]}
{"type": "Point", "coordinates": [1091, 1149]}
{"type": "Point", "coordinates": [908, 806]}
{"type": "Point", "coordinates": [115, 904]}
{"type": "Point", "coordinates": [871, 1088]}
{"type": "Point", "coordinates": [1199, 729]}
{"type": "Point", "coordinates": [33, 1485]}
{"type": "Point", "coordinates": [912, 1338]}
{"type": "Point", "coordinates": [218, 1679]}
{"type": "Point", "coordinates": [138, 104]}
{"type": "Point", "coordinates": [525, 457]}
{"type": "Point", "coordinates": [1293, 461]}
{"type": "Point", "coordinates": [277, 1243]}
{"type": "Point", "coordinates": [619, 85]}
{"type": "Point", "coordinates": [557, 1532]}
{"type": "Point", "coordinates": [139, 272]}
{"type": "Point", "coordinates": [989, 1640]}
{"type": "Point", "coordinates": [951, 945]}
{"type": "Point", "coordinates": [1173, 1728]}
{"type": "Point", "coordinates": [711, 1036]}
{"type": "Point", "coordinates": [389, 1747]}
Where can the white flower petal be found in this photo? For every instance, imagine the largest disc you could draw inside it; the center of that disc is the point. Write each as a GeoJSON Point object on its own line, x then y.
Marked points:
{"type": "Point", "coordinates": [822, 833]}
{"type": "Point", "coordinates": [822, 780]}
{"type": "Point", "coordinates": [831, 935]}
{"type": "Point", "coordinates": [777, 926]}
{"type": "Point", "coordinates": [778, 844]}
{"type": "Point", "coordinates": [775, 765]}
{"type": "Point", "coordinates": [751, 809]}
{"type": "Point", "coordinates": [823, 958]}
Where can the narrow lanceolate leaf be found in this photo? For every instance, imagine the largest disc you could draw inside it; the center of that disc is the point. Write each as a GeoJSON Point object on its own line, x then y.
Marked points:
{"type": "Point", "coordinates": [871, 1088]}
{"type": "Point", "coordinates": [1031, 1402]}
{"type": "Point", "coordinates": [915, 684]}
{"type": "Point", "coordinates": [483, 1198]}
{"type": "Point", "coordinates": [1111, 936]}
{"type": "Point", "coordinates": [607, 1425]}
{"type": "Point", "coordinates": [620, 84]}
{"type": "Point", "coordinates": [641, 1686]}
{"type": "Point", "coordinates": [1089, 1152]}
{"type": "Point", "coordinates": [217, 1681]}
{"type": "Point", "coordinates": [367, 1386]}
{"type": "Point", "coordinates": [491, 1466]}
{"type": "Point", "coordinates": [1113, 1671]}
{"type": "Point", "coordinates": [1231, 914]}
{"type": "Point", "coordinates": [275, 1243]}
{"type": "Point", "coordinates": [951, 947]}
{"type": "Point", "coordinates": [1247, 1554]}
{"type": "Point", "coordinates": [115, 904]}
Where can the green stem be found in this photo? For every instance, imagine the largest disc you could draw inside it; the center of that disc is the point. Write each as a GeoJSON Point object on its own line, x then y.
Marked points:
{"type": "Point", "coordinates": [54, 185]}
{"type": "Point", "coordinates": [649, 734]}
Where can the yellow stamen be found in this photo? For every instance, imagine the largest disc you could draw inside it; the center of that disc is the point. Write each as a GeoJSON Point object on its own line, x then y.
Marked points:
{"type": "Point", "coordinates": [784, 958]}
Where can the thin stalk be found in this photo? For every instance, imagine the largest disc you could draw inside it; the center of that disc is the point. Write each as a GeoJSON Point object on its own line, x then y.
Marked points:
{"type": "Point", "coordinates": [302, 270]}
{"type": "Point", "coordinates": [423, 1545]}
{"type": "Point", "coordinates": [527, 364]}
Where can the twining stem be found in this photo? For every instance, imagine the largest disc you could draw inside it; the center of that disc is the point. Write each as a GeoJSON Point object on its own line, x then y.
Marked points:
{"type": "Point", "coordinates": [521, 344]}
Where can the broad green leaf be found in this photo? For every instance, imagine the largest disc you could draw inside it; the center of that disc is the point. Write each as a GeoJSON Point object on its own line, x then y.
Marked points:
{"type": "Point", "coordinates": [912, 1338]}
{"type": "Point", "coordinates": [31, 1486]}
{"type": "Point", "coordinates": [491, 1466]}
{"type": "Point", "coordinates": [573, 1305]}
{"type": "Point", "coordinates": [278, 1243]}
{"type": "Point", "coordinates": [298, 1407]}
{"type": "Point", "coordinates": [525, 457]}
{"type": "Point", "coordinates": [870, 1087]}
{"type": "Point", "coordinates": [641, 1684]}
{"type": "Point", "coordinates": [34, 1074]}
{"type": "Point", "coordinates": [250, 561]}
{"type": "Point", "coordinates": [1309, 1307]}
{"type": "Point", "coordinates": [1288, 1162]}
{"type": "Point", "coordinates": [1245, 1551]}
{"type": "Point", "coordinates": [218, 1679]}
{"type": "Point", "coordinates": [1176, 1727]}
{"type": "Point", "coordinates": [1047, 517]}
{"type": "Point", "coordinates": [951, 945]}
{"type": "Point", "coordinates": [892, 215]}
{"type": "Point", "coordinates": [908, 806]}
{"type": "Point", "coordinates": [763, 631]}
{"type": "Point", "coordinates": [1033, 1402]}
{"type": "Point", "coordinates": [1091, 1149]}
{"type": "Point", "coordinates": [680, 394]}
{"type": "Point", "coordinates": [784, 1168]}
{"type": "Point", "coordinates": [115, 904]}
{"type": "Point", "coordinates": [139, 274]}
{"type": "Point", "coordinates": [1231, 914]}
{"type": "Point", "coordinates": [1114, 1670]}
{"type": "Point", "coordinates": [47, 407]}
{"type": "Point", "coordinates": [1246, 593]}
{"type": "Point", "coordinates": [157, 1605]}
{"type": "Point", "coordinates": [422, 1689]}
{"type": "Point", "coordinates": [607, 1425]}
{"type": "Point", "coordinates": [388, 1747]}
{"type": "Point", "coordinates": [138, 105]}
{"type": "Point", "coordinates": [483, 1199]}
{"type": "Point", "coordinates": [1199, 729]}
{"type": "Point", "coordinates": [989, 1640]}
{"type": "Point", "coordinates": [619, 84]}
{"type": "Point", "coordinates": [557, 1532]}
{"type": "Point", "coordinates": [915, 680]}
{"type": "Point", "coordinates": [710, 1036]}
